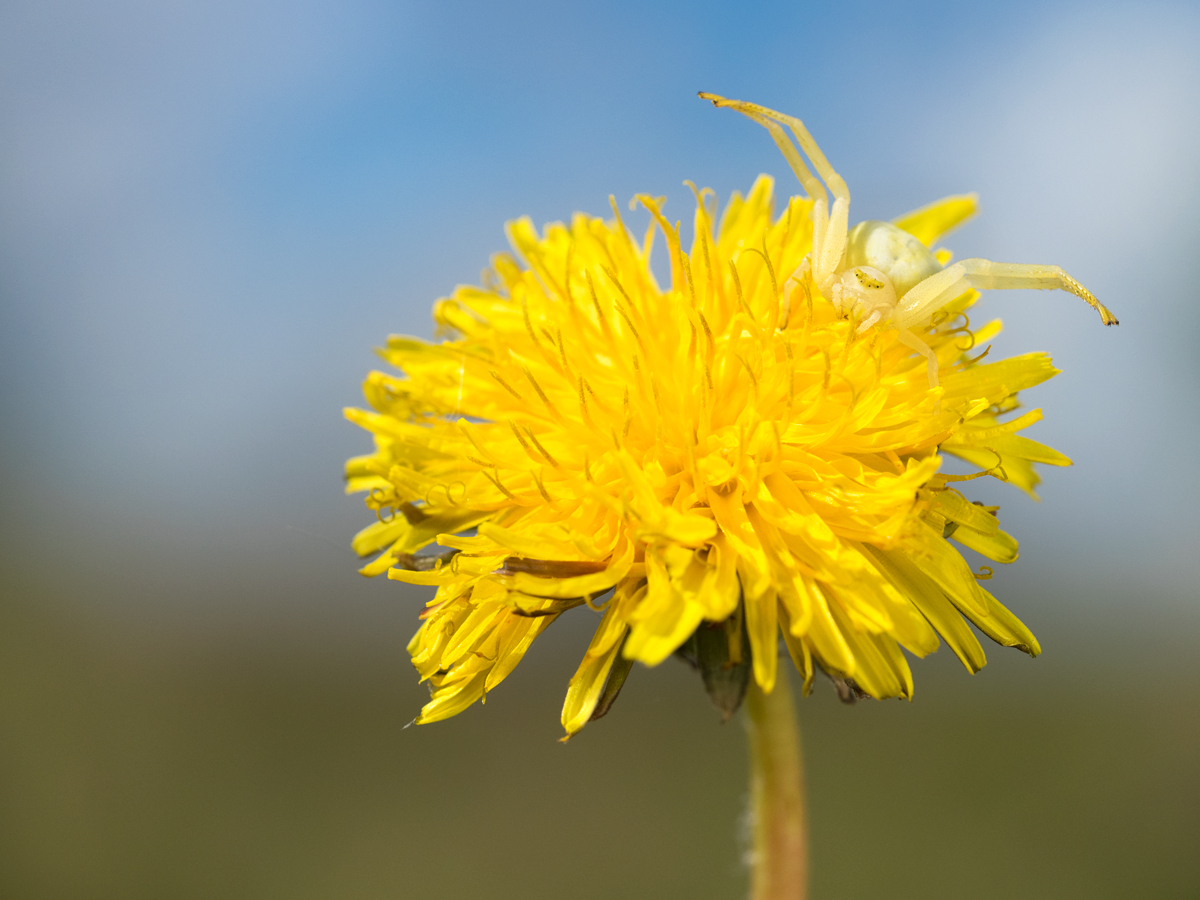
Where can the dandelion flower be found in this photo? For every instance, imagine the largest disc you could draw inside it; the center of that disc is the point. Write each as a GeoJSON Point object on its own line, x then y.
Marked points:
{"type": "Point", "coordinates": [755, 450]}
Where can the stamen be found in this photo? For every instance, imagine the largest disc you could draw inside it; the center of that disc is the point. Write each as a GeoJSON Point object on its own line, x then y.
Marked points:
{"type": "Point", "coordinates": [996, 471]}
{"type": "Point", "coordinates": [540, 613]}
{"type": "Point", "coordinates": [537, 387]}
{"type": "Point", "coordinates": [648, 240]}
{"type": "Point", "coordinates": [537, 479]}
{"type": "Point", "coordinates": [562, 349]}
{"type": "Point", "coordinates": [804, 283]}
{"type": "Point", "coordinates": [616, 281]}
{"type": "Point", "coordinates": [428, 498]}
{"type": "Point", "coordinates": [583, 403]}
{"type": "Point", "coordinates": [495, 479]}
{"type": "Point", "coordinates": [504, 384]}
{"type": "Point", "coordinates": [749, 371]}
{"type": "Point", "coordinates": [521, 440]}
{"type": "Point", "coordinates": [712, 344]}
{"type": "Point", "coordinates": [529, 322]}
{"type": "Point", "coordinates": [587, 599]}
{"type": "Point", "coordinates": [466, 431]}
{"type": "Point", "coordinates": [975, 359]}
{"type": "Point", "coordinates": [851, 334]}
{"type": "Point", "coordinates": [671, 234]}
{"type": "Point", "coordinates": [596, 303]}
{"type": "Point", "coordinates": [770, 268]}
{"type": "Point", "coordinates": [594, 399]}
{"type": "Point", "coordinates": [541, 449]}
{"type": "Point", "coordinates": [687, 275]}
{"type": "Point", "coordinates": [954, 478]}
{"type": "Point", "coordinates": [481, 655]}
{"type": "Point", "coordinates": [628, 321]}
{"type": "Point", "coordinates": [737, 284]}
{"type": "Point", "coordinates": [707, 261]}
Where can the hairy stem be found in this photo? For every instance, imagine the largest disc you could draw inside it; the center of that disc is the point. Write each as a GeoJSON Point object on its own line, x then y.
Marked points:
{"type": "Point", "coordinates": [780, 855]}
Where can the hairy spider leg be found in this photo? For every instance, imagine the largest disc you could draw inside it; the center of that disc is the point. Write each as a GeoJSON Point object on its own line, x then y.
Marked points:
{"type": "Point", "coordinates": [834, 245]}
{"type": "Point", "coordinates": [811, 184]}
{"type": "Point", "coordinates": [937, 290]}
{"type": "Point", "coordinates": [908, 339]}
{"type": "Point", "coordinates": [870, 320]}
{"type": "Point", "coordinates": [829, 225]}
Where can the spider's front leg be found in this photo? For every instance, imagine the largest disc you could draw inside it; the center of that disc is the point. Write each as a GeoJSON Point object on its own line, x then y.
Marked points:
{"type": "Point", "coordinates": [829, 234]}
{"type": "Point", "coordinates": [908, 339]}
{"type": "Point", "coordinates": [830, 224]}
{"type": "Point", "coordinates": [936, 291]}
{"type": "Point", "coordinates": [833, 241]}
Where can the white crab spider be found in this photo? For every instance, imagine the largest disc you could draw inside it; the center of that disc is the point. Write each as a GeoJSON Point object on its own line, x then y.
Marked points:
{"type": "Point", "coordinates": [877, 272]}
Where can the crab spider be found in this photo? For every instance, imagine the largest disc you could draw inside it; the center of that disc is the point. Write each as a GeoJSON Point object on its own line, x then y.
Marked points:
{"type": "Point", "coordinates": [877, 272]}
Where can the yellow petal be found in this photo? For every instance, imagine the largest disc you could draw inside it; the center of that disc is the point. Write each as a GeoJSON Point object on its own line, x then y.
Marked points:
{"type": "Point", "coordinates": [587, 684]}
{"type": "Point", "coordinates": [998, 546]}
{"type": "Point", "coordinates": [937, 559]}
{"type": "Point", "coordinates": [924, 593]}
{"type": "Point", "coordinates": [1006, 629]}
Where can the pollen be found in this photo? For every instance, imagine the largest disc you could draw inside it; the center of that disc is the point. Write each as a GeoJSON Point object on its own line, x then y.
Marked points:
{"type": "Point", "coordinates": [726, 451]}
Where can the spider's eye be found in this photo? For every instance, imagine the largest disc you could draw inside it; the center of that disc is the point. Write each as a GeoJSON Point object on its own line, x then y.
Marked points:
{"type": "Point", "coordinates": [868, 281]}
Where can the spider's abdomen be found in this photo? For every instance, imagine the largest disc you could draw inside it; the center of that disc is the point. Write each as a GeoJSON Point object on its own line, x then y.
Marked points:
{"type": "Point", "coordinates": [891, 250]}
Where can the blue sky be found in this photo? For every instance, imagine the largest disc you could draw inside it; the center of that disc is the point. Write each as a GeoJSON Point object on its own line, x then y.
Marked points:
{"type": "Point", "coordinates": [210, 213]}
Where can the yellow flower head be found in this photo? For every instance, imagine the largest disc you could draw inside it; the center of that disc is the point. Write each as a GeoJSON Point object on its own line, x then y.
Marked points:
{"type": "Point", "coordinates": [755, 449]}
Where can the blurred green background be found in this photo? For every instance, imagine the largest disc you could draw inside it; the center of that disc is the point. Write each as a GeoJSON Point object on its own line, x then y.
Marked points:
{"type": "Point", "coordinates": [143, 765]}
{"type": "Point", "coordinates": [209, 214]}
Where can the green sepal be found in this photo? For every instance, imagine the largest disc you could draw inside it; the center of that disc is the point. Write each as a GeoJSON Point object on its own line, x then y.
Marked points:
{"type": "Point", "coordinates": [612, 686]}
{"type": "Point", "coordinates": [720, 652]}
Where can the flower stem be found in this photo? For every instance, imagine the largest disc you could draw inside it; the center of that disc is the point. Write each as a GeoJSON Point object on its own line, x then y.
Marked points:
{"type": "Point", "coordinates": [780, 858]}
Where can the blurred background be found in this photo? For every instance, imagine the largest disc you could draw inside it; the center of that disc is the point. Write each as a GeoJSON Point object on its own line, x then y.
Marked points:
{"type": "Point", "coordinates": [210, 213]}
